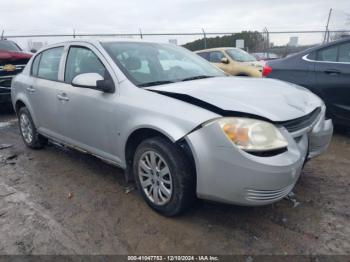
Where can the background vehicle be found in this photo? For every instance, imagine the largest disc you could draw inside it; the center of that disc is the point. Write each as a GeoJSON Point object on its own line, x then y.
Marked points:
{"type": "Point", "coordinates": [12, 62]}
{"type": "Point", "coordinates": [265, 56]}
{"type": "Point", "coordinates": [177, 124]}
{"type": "Point", "coordinates": [233, 61]}
{"type": "Point", "coordinates": [325, 70]}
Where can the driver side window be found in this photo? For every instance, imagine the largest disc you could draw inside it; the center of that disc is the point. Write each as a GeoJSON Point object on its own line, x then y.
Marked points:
{"type": "Point", "coordinates": [82, 60]}
{"type": "Point", "coordinates": [216, 56]}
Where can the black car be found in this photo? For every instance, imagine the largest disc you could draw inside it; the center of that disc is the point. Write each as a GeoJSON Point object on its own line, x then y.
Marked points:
{"type": "Point", "coordinates": [325, 70]}
{"type": "Point", "coordinates": [12, 62]}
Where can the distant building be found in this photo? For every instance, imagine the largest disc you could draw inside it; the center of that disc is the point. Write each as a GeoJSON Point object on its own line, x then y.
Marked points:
{"type": "Point", "coordinates": [35, 45]}
{"type": "Point", "coordinates": [293, 41]}
{"type": "Point", "coordinates": [173, 41]}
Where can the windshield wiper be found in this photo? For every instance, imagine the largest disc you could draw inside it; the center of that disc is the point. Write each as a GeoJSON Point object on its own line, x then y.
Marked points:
{"type": "Point", "coordinates": [162, 82]}
{"type": "Point", "coordinates": [196, 77]}
{"type": "Point", "coordinates": [155, 83]}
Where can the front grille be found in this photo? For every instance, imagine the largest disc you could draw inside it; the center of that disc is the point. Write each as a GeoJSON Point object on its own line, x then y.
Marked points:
{"type": "Point", "coordinates": [19, 69]}
{"type": "Point", "coordinates": [301, 122]}
{"type": "Point", "coordinates": [5, 82]}
{"type": "Point", "coordinates": [274, 152]}
{"type": "Point", "coordinates": [267, 195]}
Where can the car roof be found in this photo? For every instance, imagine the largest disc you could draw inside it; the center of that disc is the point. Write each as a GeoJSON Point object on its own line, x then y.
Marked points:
{"type": "Point", "coordinates": [342, 40]}
{"type": "Point", "coordinates": [97, 41]}
{"type": "Point", "coordinates": [104, 40]}
{"type": "Point", "coordinates": [215, 49]}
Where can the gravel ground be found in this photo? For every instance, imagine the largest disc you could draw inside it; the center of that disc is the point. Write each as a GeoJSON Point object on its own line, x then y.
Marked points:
{"type": "Point", "coordinates": [59, 201]}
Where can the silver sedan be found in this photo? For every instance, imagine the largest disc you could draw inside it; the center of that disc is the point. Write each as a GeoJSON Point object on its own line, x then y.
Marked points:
{"type": "Point", "coordinates": [178, 126]}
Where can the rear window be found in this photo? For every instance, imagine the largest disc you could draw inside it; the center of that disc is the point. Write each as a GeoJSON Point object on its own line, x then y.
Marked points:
{"type": "Point", "coordinates": [328, 54]}
{"type": "Point", "coordinates": [49, 63]}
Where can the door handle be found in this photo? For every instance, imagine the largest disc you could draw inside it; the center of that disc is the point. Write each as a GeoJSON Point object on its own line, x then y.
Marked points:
{"type": "Point", "coordinates": [332, 72]}
{"type": "Point", "coordinates": [63, 97]}
{"type": "Point", "coordinates": [30, 89]}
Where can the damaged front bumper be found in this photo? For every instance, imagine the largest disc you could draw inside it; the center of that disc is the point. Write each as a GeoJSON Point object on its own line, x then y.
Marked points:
{"type": "Point", "coordinates": [227, 174]}
{"type": "Point", "coordinates": [320, 137]}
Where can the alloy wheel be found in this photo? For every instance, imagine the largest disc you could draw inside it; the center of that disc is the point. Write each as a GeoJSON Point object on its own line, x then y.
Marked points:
{"type": "Point", "coordinates": [26, 128]}
{"type": "Point", "coordinates": [155, 177]}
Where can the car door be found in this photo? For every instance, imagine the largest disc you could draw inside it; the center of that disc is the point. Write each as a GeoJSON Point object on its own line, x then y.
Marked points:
{"type": "Point", "coordinates": [41, 90]}
{"type": "Point", "coordinates": [87, 116]}
{"type": "Point", "coordinates": [333, 79]}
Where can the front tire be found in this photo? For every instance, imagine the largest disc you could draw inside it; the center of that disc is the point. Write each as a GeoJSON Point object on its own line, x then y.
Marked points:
{"type": "Point", "coordinates": [30, 136]}
{"type": "Point", "coordinates": [164, 176]}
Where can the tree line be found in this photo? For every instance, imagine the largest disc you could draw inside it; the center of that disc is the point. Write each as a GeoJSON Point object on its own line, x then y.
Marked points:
{"type": "Point", "coordinates": [254, 41]}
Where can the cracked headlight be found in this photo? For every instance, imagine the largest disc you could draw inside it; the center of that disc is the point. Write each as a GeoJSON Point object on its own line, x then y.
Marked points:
{"type": "Point", "coordinates": [252, 135]}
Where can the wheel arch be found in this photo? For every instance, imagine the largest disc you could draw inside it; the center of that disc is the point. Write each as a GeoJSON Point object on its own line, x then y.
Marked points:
{"type": "Point", "coordinates": [139, 135]}
{"type": "Point", "coordinates": [19, 104]}
{"type": "Point", "coordinates": [22, 101]}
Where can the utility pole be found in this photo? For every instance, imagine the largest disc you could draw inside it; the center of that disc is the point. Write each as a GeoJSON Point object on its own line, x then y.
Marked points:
{"type": "Point", "coordinates": [267, 42]}
{"type": "Point", "coordinates": [141, 36]}
{"type": "Point", "coordinates": [326, 34]}
{"type": "Point", "coordinates": [2, 35]}
{"type": "Point", "coordinates": [205, 39]}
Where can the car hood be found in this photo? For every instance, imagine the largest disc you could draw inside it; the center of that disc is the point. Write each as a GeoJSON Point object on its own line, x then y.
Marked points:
{"type": "Point", "coordinates": [259, 64]}
{"type": "Point", "coordinates": [10, 56]}
{"type": "Point", "coordinates": [268, 98]}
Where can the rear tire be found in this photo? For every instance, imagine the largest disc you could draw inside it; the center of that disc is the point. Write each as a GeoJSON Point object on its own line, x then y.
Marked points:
{"type": "Point", "coordinates": [167, 183]}
{"type": "Point", "coordinates": [30, 136]}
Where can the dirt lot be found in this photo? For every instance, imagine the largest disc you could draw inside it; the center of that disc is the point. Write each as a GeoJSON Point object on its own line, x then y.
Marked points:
{"type": "Point", "coordinates": [59, 201]}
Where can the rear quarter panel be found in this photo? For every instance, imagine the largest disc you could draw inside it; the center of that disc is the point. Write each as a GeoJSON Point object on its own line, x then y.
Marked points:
{"type": "Point", "coordinates": [18, 92]}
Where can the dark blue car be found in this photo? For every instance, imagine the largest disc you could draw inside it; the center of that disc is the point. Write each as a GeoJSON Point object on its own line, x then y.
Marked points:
{"type": "Point", "coordinates": [325, 70]}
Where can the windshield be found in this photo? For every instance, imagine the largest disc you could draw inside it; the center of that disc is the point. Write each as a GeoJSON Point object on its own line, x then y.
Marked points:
{"type": "Point", "coordinates": [147, 64]}
{"type": "Point", "coordinates": [240, 55]}
{"type": "Point", "coordinates": [9, 46]}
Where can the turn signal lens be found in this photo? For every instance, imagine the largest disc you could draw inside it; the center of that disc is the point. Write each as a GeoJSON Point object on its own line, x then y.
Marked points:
{"type": "Point", "coordinates": [239, 135]}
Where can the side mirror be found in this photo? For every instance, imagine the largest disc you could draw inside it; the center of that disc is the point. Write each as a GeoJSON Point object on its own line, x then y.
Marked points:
{"type": "Point", "coordinates": [33, 50]}
{"type": "Point", "coordinates": [225, 60]}
{"type": "Point", "coordinates": [93, 81]}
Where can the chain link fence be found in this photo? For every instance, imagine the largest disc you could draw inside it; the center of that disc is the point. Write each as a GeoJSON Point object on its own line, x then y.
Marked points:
{"type": "Point", "coordinates": [281, 43]}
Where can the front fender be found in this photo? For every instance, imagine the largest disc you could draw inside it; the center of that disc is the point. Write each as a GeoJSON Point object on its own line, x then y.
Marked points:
{"type": "Point", "coordinates": [173, 130]}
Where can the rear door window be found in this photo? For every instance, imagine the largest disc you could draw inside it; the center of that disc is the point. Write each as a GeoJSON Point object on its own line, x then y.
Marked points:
{"type": "Point", "coordinates": [328, 54]}
{"type": "Point", "coordinates": [344, 53]}
{"type": "Point", "coordinates": [50, 63]}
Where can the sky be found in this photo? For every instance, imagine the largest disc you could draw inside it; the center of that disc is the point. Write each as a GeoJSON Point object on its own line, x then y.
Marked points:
{"type": "Point", "coordinates": [113, 16]}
